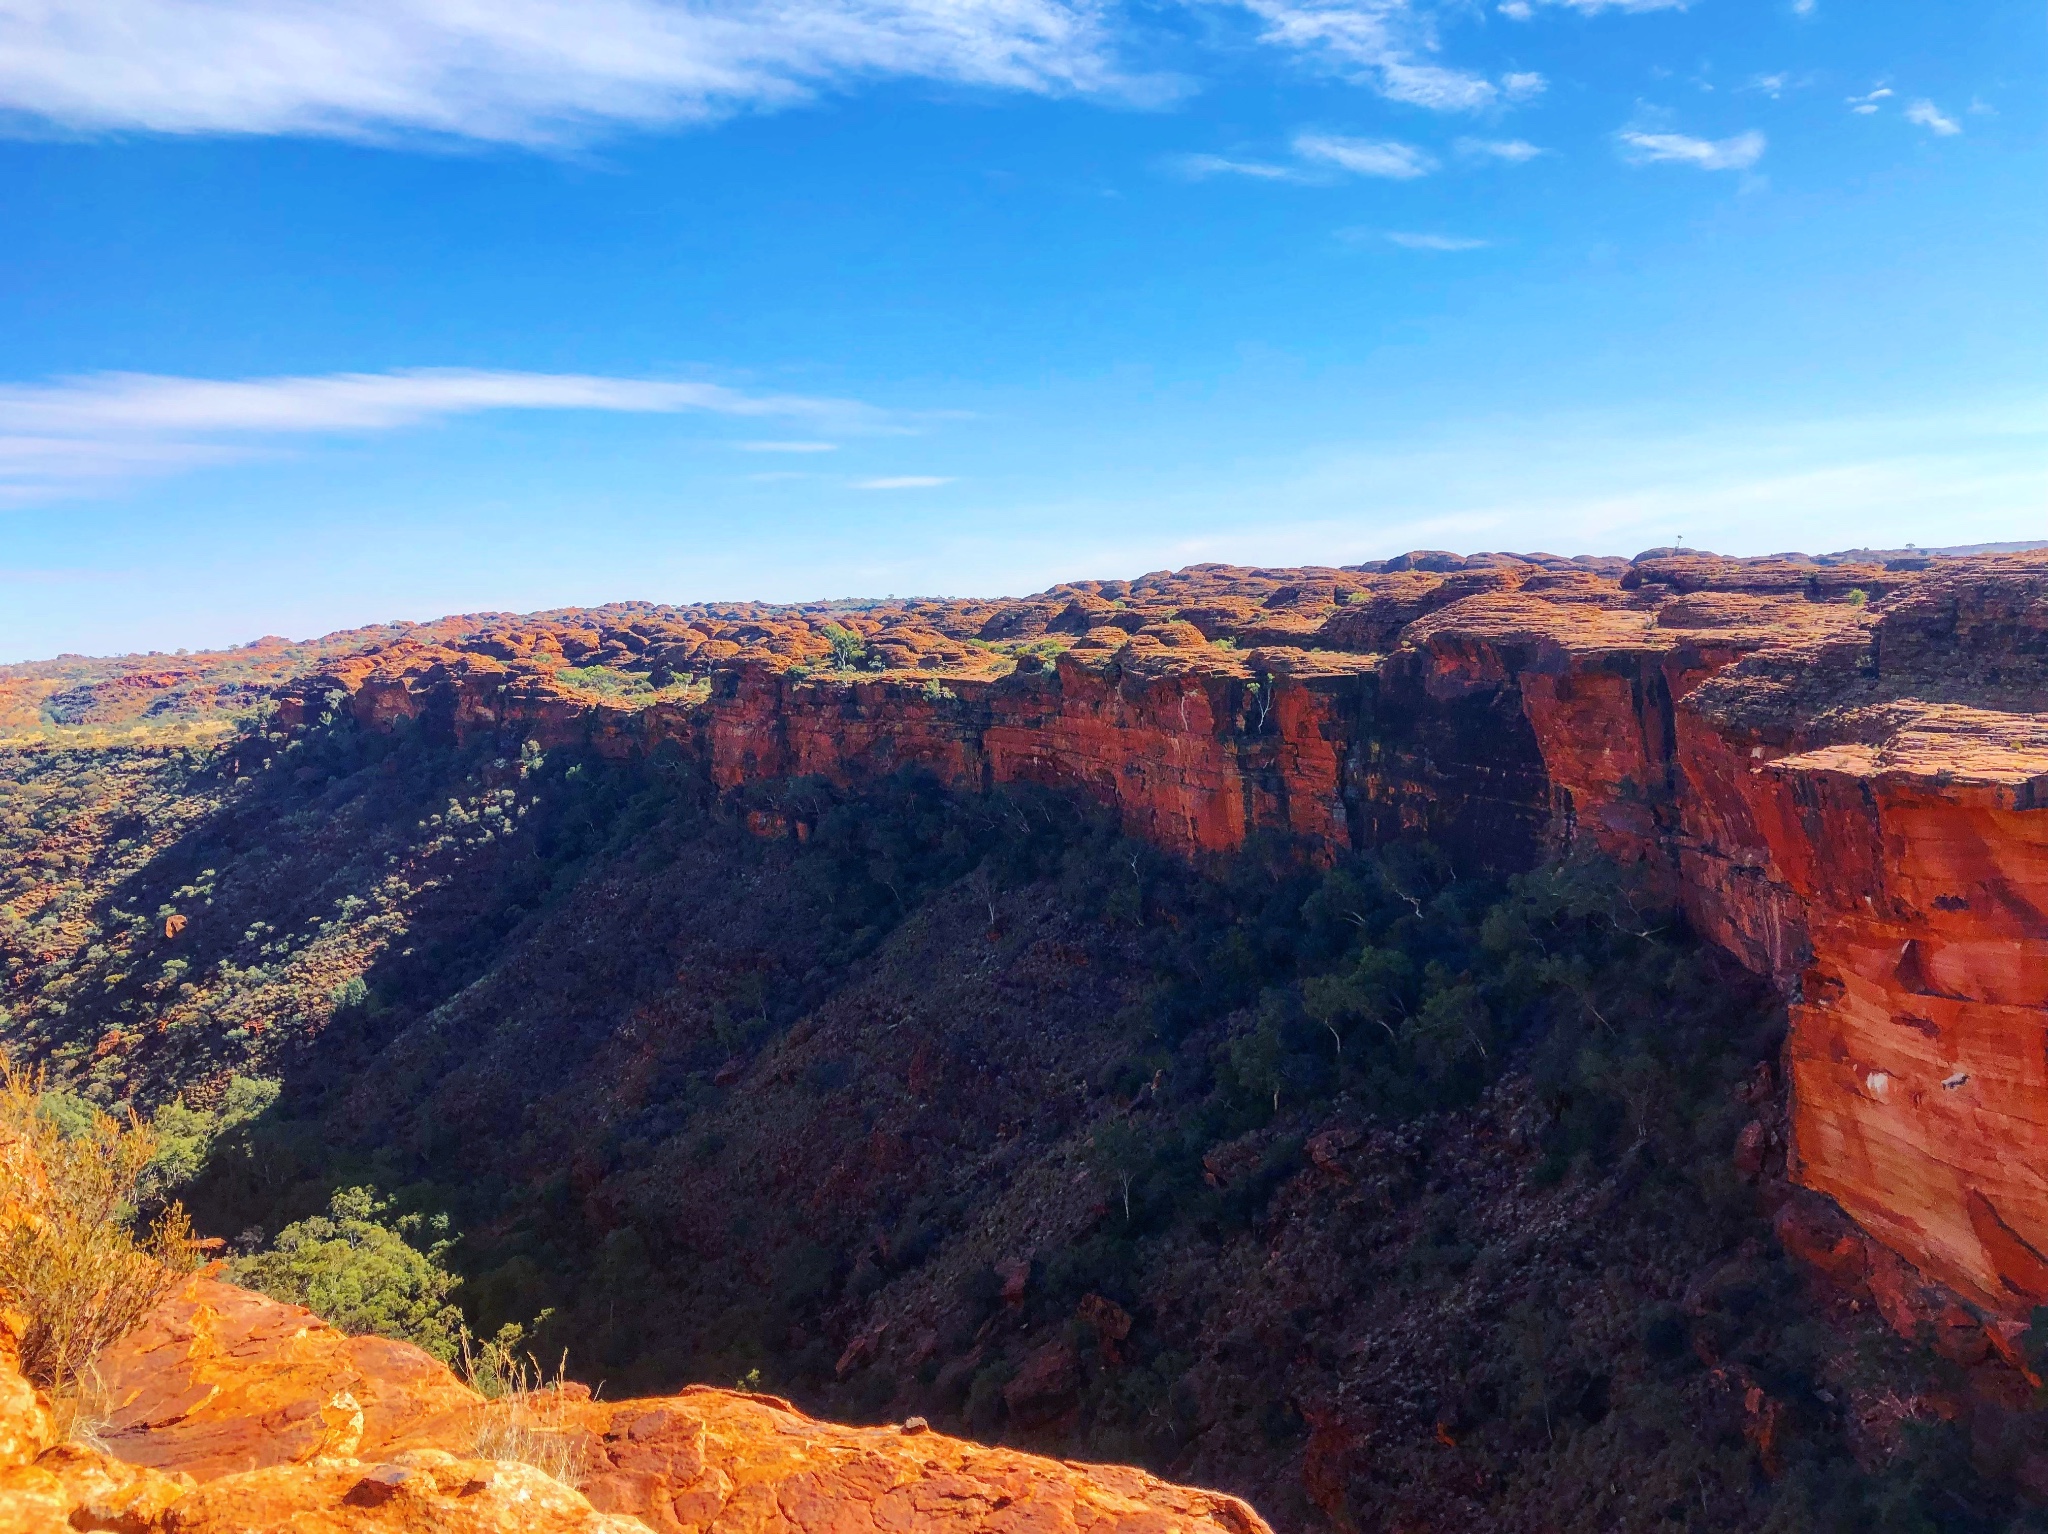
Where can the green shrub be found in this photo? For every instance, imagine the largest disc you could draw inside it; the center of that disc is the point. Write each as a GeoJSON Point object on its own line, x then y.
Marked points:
{"type": "Point", "coordinates": [185, 1137]}
{"type": "Point", "coordinates": [356, 1269]}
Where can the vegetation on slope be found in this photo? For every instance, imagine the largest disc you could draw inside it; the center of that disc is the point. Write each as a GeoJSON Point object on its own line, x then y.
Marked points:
{"type": "Point", "coordinates": [1386, 1193]}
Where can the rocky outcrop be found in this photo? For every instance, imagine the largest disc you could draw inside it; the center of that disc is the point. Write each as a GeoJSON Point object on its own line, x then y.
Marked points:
{"type": "Point", "coordinates": [217, 1380]}
{"type": "Point", "coordinates": [1840, 767]}
{"type": "Point", "coordinates": [231, 1413]}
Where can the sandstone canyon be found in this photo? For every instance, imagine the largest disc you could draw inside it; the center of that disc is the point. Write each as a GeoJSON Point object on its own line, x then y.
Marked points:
{"type": "Point", "coordinates": [1837, 769]}
{"type": "Point", "coordinates": [1841, 770]}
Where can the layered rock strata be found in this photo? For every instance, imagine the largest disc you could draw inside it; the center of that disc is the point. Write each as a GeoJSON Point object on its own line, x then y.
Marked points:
{"type": "Point", "coordinates": [230, 1413]}
{"type": "Point", "coordinates": [1840, 768]}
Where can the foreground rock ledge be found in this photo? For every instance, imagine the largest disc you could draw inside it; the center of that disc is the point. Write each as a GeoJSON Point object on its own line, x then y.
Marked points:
{"type": "Point", "coordinates": [233, 1414]}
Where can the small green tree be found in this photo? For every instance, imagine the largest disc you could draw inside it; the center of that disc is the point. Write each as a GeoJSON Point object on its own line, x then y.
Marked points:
{"type": "Point", "coordinates": [1258, 1059]}
{"type": "Point", "coordinates": [356, 1269]}
{"type": "Point", "coordinates": [1449, 1030]}
{"type": "Point", "coordinates": [1120, 1154]}
{"type": "Point", "coordinates": [185, 1136]}
{"type": "Point", "coordinates": [849, 650]}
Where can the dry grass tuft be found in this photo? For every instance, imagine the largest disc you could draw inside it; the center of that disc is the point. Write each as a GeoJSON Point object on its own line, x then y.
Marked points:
{"type": "Point", "coordinates": [69, 1257]}
{"type": "Point", "coordinates": [527, 1421]}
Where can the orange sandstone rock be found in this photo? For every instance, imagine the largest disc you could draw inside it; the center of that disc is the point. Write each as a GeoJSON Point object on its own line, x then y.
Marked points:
{"type": "Point", "coordinates": [217, 1379]}
{"type": "Point", "coordinates": [234, 1399]}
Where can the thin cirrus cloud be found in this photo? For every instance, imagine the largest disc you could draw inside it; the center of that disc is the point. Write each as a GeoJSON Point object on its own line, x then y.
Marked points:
{"type": "Point", "coordinates": [556, 72]}
{"type": "Point", "coordinates": [106, 428]}
{"type": "Point", "coordinates": [1365, 157]}
{"type": "Point", "coordinates": [787, 447]}
{"type": "Point", "coordinates": [1325, 153]}
{"type": "Point", "coordinates": [1522, 10]}
{"type": "Point", "coordinates": [535, 72]}
{"type": "Point", "coordinates": [1384, 44]}
{"type": "Point", "coordinates": [1438, 242]}
{"type": "Point", "coordinates": [1512, 151]}
{"type": "Point", "coordinates": [1867, 104]}
{"type": "Point", "coordinates": [1927, 115]}
{"type": "Point", "coordinates": [1200, 167]}
{"type": "Point", "coordinates": [904, 482]}
{"type": "Point", "coordinates": [1737, 153]}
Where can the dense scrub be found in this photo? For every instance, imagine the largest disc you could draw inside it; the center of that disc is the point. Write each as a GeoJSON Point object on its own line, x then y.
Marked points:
{"type": "Point", "coordinates": [1386, 1197]}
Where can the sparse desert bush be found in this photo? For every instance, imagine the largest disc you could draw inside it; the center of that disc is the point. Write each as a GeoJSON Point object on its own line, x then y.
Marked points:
{"type": "Point", "coordinates": [70, 1258]}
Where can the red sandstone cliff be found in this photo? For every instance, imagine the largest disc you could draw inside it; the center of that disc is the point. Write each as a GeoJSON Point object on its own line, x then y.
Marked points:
{"type": "Point", "coordinates": [1841, 769]}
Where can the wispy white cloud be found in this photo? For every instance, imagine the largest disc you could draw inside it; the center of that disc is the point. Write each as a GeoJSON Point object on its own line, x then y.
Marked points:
{"type": "Point", "coordinates": [1514, 151]}
{"type": "Point", "coordinates": [136, 403]}
{"type": "Point", "coordinates": [1445, 242]}
{"type": "Point", "coordinates": [787, 447]}
{"type": "Point", "coordinates": [1805, 7]}
{"type": "Point", "coordinates": [111, 427]}
{"type": "Point", "coordinates": [1737, 153]}
{"type": "Point", "coordinates": [1200, 167]}
{"type": "Point", "coordinates": [1927, 115]}
{"type": "Point", "coordinates": [1867, 103]}
{"type": "Point", "coordinates": [1386, 45]}
{"type": "Point", "coordinates": [904, 482]}
{"type": "Point", "coordinates": [519, 71]}
{"type": "Point", "coordinates": [1365, 157]}
{"type": "Point", "coordinates": [1522, 10]}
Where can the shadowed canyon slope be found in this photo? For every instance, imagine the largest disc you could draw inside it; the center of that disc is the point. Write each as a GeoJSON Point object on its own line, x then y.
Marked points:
{"type": "Point", "coordinates": [644, 940]}
{"type": "Point", "coordinates": [1841, 769]}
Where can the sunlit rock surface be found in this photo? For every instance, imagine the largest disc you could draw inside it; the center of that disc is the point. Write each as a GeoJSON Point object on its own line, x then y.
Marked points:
{"type": "Point", "coordinates": [231, 1413]}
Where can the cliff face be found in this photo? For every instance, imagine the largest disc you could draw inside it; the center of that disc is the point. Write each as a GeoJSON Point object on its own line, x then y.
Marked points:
{"type": "Point", "coordinates": [230, 1412]}
{"type": "Point", "coordinates": [1841, 770]}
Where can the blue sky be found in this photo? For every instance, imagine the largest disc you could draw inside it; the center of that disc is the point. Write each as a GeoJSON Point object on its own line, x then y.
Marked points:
{"type": "Point", "coordinates": [318, 313]}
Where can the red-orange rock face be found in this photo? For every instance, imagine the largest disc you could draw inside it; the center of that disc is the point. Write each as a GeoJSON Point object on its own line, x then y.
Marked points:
{"type": "Point", "coordinates": [1841, 769]}
{"type": "Point", "coordinates": [235, 1414]}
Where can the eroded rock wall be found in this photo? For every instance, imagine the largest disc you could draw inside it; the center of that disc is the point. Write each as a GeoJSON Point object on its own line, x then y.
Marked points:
{"type": "Point", "coordinates": [1840, 769]}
